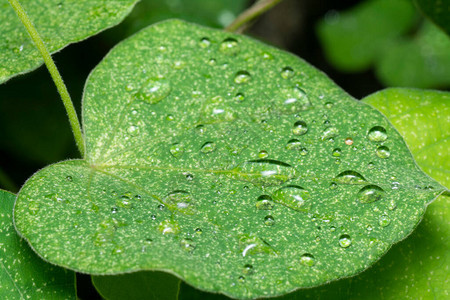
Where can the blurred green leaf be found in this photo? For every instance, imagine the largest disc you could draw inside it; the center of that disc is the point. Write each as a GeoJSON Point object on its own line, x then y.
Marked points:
{"type": "Point", "coordinates": [24, 275]}
{"type": "Point", "coordinates": [59, 22]}
{"type": "Point", "coordinates": [438, 11]}
{"type": "Point", "coordinates": [137, 286]}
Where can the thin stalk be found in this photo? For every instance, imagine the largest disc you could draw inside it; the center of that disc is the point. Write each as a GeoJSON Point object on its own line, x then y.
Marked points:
{"type": "Point", "coordinates": [251, 13]}
{"type": "Point", "coordinates": [57, 79]}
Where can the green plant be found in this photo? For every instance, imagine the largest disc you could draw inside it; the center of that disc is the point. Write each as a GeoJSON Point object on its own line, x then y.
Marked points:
{"type": "Point", "coordinates": [236, 166]}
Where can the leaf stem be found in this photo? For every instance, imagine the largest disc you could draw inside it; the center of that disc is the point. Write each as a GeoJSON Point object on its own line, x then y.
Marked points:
{"type": "Point", "coordinates": [57, 79]}
{"type": "Point", "coordinates": [251, 13]}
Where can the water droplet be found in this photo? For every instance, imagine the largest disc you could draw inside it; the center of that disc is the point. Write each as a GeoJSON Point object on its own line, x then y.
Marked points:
{"type": "Point", "coordinates": [117, 250]}
{"type": "Point", "coordinates": [154, 90]}
{"type": "Point", "coordinates": [169, 227]}
{"type": "Point", "coordinates": [133, 130]}
{"type": "Point", "coordinates": [307, 260]}
{"type": "Point", "coordinates": [130, 87]}
{"type": "Point", "coordinates": [293, 100]}
{"type": "Point", "coordinates": [208, 147]}
{"type": "Point", "coordinates": [293, 145]}
{"type": "Point", "coordinates": [187, 245]}
{"type": "Point", "coordinates": [241, 279]}
{"type": "Point", "coordinates": [124, 201]}
{"type": "Point", "coordinates": [176, 150]}
{"type": "Point", "coordinates": [212, 62]}
{"type": "Point", "coordinates": [265, 172]}
{"type": "Point", "coordinates": [369, 228]}
{"type": "Point", "coordinates": [242, 77]}
{"type": "Point", "coordinates": [248, 269]}
{"type": "Point", "coordinates": [287, 72]}
{"type": "Point", "coordinates": [332, 228]}
{"type": "Point", "coordinates": [370, 193]}
{"type": "Point", "coordinates": [33, 207]}
{"type": "Point", "coordinates": [328, 105]}
{"type": "Point", "coordinates": [384, 221]}
{"type": "Point", "coordinates": [204, 42]}
{"type": "Point", "coordinates": [345, 241]}
{"type": "Point", "coordinates": [250, 244]}
{"type": "Point", "coordinates": [161, 206]}
{"type": "Point", "coordinates": [264, 202]}
{"type": "Point", "coordinates": [178, 65]}
{"type": "Point", "coordinates": [189, 177]}
{"type": "Point", "coordinates": [267, 56]}
{"type": "Point", "coordinates": [377, 134]}
{"type": "Point", "coordinates": [383, 152]}
{"type": "Point", "coordinates": [269, 220]}
{"type": "Point", "coordinates": [229, 46]}
{"type": "Point", "coordinates": [69, 178]}
{"type": "Point", "coordinates": [348, 141]}
{"type": "Point", "coordinates": [350, 177]}
{"type": "Point", "coordinates": [300, 128]}
{"type": "Point", "coordinates": [215, 110]}
{"type": "Point", "coordinates": [370, 165]}
{"type": "Point", "coordinates": [263, 154]}
{"type": "Point", "coordinates": [329, 133]}
{"type": "Point", "coordinates": [170, 118]}
{"type": "Point", "coordinates": [180, 201]}
{"type": "Point", "coordinates": [392, 205]}
{"type": "Point", "coordinates": [333, 185]}
{"type": "Point", "coordinates": [337, 152]}
{"type": "Point", "coordinates": [292, 196]}
{"type": "Point", "coordinates": [239, 97]}
{"type": "Point", "coordinates": [114, 210]}
{"type": "Point", "coordinates": [198, 231]}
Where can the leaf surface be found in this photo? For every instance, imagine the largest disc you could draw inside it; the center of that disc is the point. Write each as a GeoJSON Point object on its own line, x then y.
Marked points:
{"type": "Point", "coordinates": [23, 275]}
{"type": "Point", "coordinates": [58, 22]}
{"type": "Point", "coordinates": [236, 166]}
{"type": "Point", "coordinates": [438, 11]}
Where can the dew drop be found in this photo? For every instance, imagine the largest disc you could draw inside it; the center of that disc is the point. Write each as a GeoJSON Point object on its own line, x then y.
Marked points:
{"type": "Point", "coordinates": [33, 207]}
{"type": "Point", "coordinates": [170, 118]}
{"type": "Point", "coordinates": [229, 46]}
{"type": "Point", "coordinates": [384, 221]}
{"type": "Point", "coordinates": [215, 110]}
{"type": "Point", "coordinates": [292, 196]}
{"type": "Point", "coordinates": [292, 100]}
{"type": "Point", "coordinates": [348, 141]}
{"type": "Point", "coordinates": [178, 65]}
{"type": "Point", "coordinates": [204, 42]}
{"type": "Point", "coordinates": [154, 90]}
{"type": "Point", "coordinates": [169, 227]}
{"type": "Point", "coordinates": [176, 150]}
{"type": "Point", "coordinates": [208, 147]}
{"type": "Point", "coordinates": [124, 201]}
{"type": "Point", "coordinates": [263, 154]}
{"type": "Point", "coordinates": [133, 130]}
{"type": "Point", "coordinates": [370, 193]}
{"type": "Point", "coordinates": [117, 250]}
{"type": "Point", "coordinates": [129, 87]}
{"type": "Point", "coordinates": [350, 177]}
{"type": "Point", "coordinates": [392, 205]}
{"type": "Point", "coordinates": [180, 201]}
{"type": "Point", "coordinates": [293, 145]}
{"type": "Point", "coordinates": [264, 202]}
{"type": "Point", "coordinates": [377, 134]}
{"type": "Point", "coordinates": [337, 152]}
{"type": "Point", "coordinates": [114, 210]}
{"type": "Point", "coordinates": [328, 105]}
{"type": "Point", "coordinates": [212, 62]}
{"type": "Point", "coordinates": [69, 178]}
{"type": "Point", "coordinates": [242, 77]}
{"type": "Point", "coordinates": [265, 172]}
{"type": "Point", "coordinates": [248, 269]}
{"type": "Point", "coordinates": [307, 260]}
{"type": "Point", "coordinates": [239, 97]}
{"type": "Point", "coordinates": [187, 245]}
{"type": "Point", "coordinates": [383, 152]}
{"type": "Point", "coordinates": [189, 177]}
{"type": "Point", "coordinates": [329, 133]}
{"type": "Point", "coordinates": [269, 220]}
{"type": "Point", "coordinates": [287, 72]}
{"type": "Point", "coordinates": [300, 128]}
{"type": "Point", "coordinates": [345, 241]}
{"type": "Point", "coordinates": [198, 231]}
{"type": "Point", "coordinates": [250, 244]}
{"type": "Point", "coordinates": [241, 279]}
{"type": "Point", "coordinates": [267, 56]}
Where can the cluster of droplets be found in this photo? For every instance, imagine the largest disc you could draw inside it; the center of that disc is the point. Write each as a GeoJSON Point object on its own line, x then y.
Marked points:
{"type": "Point", "coordinates": [377, 134]}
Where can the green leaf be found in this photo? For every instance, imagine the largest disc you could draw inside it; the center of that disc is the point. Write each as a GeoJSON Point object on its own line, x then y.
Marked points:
{"type": "Point", "coordinates": [59, 24]}
{"type": "Point", "coordinates": [423, 119]}
{"type": "Point", "coordinates": [422, 61]}
{"type": "Point", "coordinates": [23, 275]}
{"type": "Point", "coordinates": [139, 285]}
{"type": "Point", "coordinates": [236, 166]}
{"type": "Point", "coordinates": [438, 11]}
{"type": "Point", "coordinates": [352, 40]}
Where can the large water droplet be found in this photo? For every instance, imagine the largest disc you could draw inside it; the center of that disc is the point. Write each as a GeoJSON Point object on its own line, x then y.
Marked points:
{"type": "Point", "coordinates": [264, 202]}
{"type": "Point", "coordinates": [176, 150]}
{"type": "Point", "coordinates": [215, 110]}
{"type": "Point", "coordinates": [300, 128]}
{"type": "Point", "coordinates": [169, 227]}
{"type": "Point", "coordinates": [269, 220]}
{"type": "Point", "coordinates": [204, 42]}
{"type": "Point", "coordinates": [287, 72]}
{"type": "Point", "coordinates": [370, 193]}
{"type": "Point", "coordinates": [377, 134]}
{"type": "Point", "coordinates": [124, 201]}
{"type": "Point", "coordinates": [329, 133]}
{"type": "Point", "coordinates": [383, 152]}
{"type": "Point", "coordinates": [265, 172]}
{"type": "Point", "coordinates": [350, 177]}
{"type": "Point", "coordinates": [307, 260]}
{"type": "Point", "coordinates": [292, 196]}
{"type": "Point", "coordinates": [251, 245]}
{"type": "Point", "coordinates": [187, 245]}
{"type": "Point", "coordinates": [180, 201]}
{"type": "Point", "coordinates": [229, 46]}
{"type": "Point", "coordinates": [293, 145]}
{"type": "Point", "coordinates": [263, 154]}
{"type": "Point", "coordinates": [154, 90]}
{"type": "Point", "coordinates": [208, 147]}
{"type": "Point", "coordinates": [345, 241]}
{"type": "Point", "coordinates": [293, 100]}
{"type": "Point", "coordinates": [384, 221]}
{"type": "Point", "coordinates": [242, 77]}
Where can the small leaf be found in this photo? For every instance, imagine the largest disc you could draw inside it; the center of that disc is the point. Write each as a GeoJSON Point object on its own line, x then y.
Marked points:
{"type": "Point", "coordinates": [58, 22]}
{"type": "Point", "coordinates": [23, 275]}
{"type": "Point", "coordinates": [139, 285]}
{"type": "Point", "coordinates": [191, 168]}
{"type": "Point", "coordinates": [438, 11]}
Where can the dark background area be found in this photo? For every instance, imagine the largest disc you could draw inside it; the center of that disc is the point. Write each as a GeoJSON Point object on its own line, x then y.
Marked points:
{"type": "Point", "coordinates": [32, 98]}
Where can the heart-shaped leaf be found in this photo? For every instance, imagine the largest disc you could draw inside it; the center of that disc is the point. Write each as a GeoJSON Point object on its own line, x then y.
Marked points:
{"type": "Point", "coordinates": [236, 166]}
{"type": "Point", "coordinates": [58, 22]}
{"type": "Point", "coordinates": [23, 275]}
{"type": "Point", "coordinates": [438, 11]}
